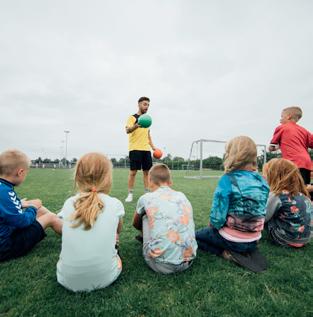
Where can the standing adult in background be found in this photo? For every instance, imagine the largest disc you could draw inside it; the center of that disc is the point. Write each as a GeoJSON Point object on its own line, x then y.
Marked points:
{"type": "Point", "coordinates": [139, 146]}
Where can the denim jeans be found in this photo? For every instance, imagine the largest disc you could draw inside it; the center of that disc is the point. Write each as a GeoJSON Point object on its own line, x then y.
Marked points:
{"type": "Point", "coordinates": [210, 240]}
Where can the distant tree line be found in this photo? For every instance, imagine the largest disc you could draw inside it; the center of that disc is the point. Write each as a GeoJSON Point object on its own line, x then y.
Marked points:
{"type": "Point", "coordinates": [177, 162]}
{"type": "Point", "coordinates": [46, 162]}
{"type": "Point", "coordinates": [174, 162]}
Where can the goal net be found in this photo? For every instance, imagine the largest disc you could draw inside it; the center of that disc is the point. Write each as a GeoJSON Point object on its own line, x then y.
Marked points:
{"type": "Point", "coordinates": [206, 158]}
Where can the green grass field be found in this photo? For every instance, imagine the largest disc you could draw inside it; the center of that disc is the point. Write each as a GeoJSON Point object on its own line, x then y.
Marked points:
{"type": "Point", "coordinates": [212, 287]}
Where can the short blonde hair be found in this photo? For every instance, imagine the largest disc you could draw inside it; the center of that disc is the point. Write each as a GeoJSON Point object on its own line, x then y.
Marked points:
{"type": "Point", "coordinates": [240, 151]}
{"type": "Point", "coordinates": [93, 175]}
{"type": "Point", "coordinates": [160, 173]}
{"type": "Point", "coordinates": [11, 160]}
{"type": "Point", "coordinates": [282, 174]}
{"type": "Point", "coordinates": [295, 112]}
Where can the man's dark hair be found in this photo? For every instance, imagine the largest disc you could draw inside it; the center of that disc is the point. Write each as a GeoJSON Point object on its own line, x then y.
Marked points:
{"type": "Point", "coordinates": [143, 99]}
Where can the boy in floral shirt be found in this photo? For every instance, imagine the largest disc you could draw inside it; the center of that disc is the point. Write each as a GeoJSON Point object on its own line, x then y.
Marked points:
{"type": "Point", "coordinates": [165, 218]}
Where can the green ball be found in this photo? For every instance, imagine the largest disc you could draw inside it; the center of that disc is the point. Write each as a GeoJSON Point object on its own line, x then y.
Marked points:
{"type": "Point", "coordinates": [145, 121]}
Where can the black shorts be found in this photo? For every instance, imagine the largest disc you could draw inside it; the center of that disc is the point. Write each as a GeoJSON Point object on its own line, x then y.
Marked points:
{"type": "Point", "coordinates": [23, 240]}
{"type": "Point", "coordinates": [306, 175]}
{"type": "Point", "coordinates": [140, 160]}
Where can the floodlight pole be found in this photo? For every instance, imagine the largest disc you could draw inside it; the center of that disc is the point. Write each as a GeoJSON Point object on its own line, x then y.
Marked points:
{"type": "Point", "coordinates": [66, 136]}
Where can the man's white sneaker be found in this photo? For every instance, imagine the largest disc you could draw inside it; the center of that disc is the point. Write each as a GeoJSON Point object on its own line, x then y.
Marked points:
{"type": "Point", "coordinates": [129, 198]}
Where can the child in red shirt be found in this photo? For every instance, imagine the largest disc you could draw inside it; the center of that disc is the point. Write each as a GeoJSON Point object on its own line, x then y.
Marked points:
{"type": "Point", "coordinates": [293, 141]}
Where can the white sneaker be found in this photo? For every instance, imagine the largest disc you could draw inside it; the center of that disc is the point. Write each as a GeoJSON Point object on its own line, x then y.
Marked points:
{"type": "Point", "coordinates": [129, 198]}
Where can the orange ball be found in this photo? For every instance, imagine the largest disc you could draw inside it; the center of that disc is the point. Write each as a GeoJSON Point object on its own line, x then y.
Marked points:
{"type": "Point", "coordinates": [157, 153]}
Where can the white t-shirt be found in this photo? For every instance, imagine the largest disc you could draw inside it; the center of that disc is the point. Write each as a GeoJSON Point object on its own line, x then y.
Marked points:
{"type": "Point", "coordinates": [88, 258]}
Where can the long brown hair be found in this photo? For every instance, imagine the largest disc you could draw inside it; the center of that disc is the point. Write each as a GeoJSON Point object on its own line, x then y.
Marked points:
{"type": "Point", "coordinates": [93, 175]}
{"type": "Point", "coordinates": [240, 151]}
{"type": "Point", "coordinates": [282, 174]}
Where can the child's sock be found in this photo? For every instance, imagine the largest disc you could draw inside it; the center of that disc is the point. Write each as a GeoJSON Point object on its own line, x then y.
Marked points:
{"type": "Point", "coordinates": [129, 198]}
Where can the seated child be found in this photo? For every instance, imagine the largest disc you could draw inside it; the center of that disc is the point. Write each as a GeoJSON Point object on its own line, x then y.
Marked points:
{"type": "Point", "coordinates": [22, 222]}
{"type": "Point", "coordinates": [166, 220]}
{"type": "Point", "coordinates": [289, 209]}
{"type": "Point", "coordinates": [238, 208]}
{"type": "Point", "coordinates": [92, 219]}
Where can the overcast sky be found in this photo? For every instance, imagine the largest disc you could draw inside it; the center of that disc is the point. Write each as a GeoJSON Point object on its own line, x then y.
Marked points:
{"type": "Point", "coordinates": [212, 69]}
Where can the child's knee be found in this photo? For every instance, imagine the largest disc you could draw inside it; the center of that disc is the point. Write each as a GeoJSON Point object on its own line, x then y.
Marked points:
{"type": "Point", "coordinates": [42, 211]}
{"type": "Point", "coordinates": [48, 219]}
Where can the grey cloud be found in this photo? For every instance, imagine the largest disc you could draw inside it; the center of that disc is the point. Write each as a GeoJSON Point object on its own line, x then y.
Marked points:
{"type": "Point", "coordinates": [213, 69]}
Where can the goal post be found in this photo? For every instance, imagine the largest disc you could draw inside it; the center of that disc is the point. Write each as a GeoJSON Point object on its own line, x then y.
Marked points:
{"type": "Point", "coordinates": [198, 155]}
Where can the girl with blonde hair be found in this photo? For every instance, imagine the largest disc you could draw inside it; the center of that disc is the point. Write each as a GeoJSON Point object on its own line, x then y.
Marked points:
{"type": "Point", "coordinates": [238, 208]}
{"type": "Point", "coordinates": [92, 219]}
{"type": "Point", "coordinates": [289, 209]}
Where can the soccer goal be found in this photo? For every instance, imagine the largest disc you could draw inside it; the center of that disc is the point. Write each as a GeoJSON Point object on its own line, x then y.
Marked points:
{"type": "Point", "coordinates": [206, 158]}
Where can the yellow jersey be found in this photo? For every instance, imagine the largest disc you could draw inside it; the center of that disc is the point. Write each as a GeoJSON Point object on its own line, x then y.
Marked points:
{"type": "Point", "coordinates": [138, 139]}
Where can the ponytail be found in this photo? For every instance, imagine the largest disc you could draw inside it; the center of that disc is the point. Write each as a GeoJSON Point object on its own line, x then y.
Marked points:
{"type": "Point", "coordinates": [87, 208]}
{"type": "Point", "coordinates": [93, 175]}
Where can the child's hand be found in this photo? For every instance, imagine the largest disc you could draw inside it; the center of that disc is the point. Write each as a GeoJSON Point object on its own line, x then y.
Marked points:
{"type": "Point", "coordinates": [24, 203]}
{"type": "Point", "coordinates": [273, 147]}
{"type": "Point", "coordinates": [35, 203]}
{"type": "Point", "coordinates": [309, 188]}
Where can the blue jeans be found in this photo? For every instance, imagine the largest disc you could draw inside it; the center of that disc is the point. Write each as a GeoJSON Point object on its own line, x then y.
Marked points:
{"type": "Point", "coordinates": [210, 240]}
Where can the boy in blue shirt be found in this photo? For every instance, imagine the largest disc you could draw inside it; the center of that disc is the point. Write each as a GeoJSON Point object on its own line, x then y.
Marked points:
{"type": "Point", "coordinates": [22, 222]}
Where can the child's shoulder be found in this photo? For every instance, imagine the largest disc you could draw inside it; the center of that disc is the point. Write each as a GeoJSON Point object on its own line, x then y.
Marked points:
{"type": "Point", "coordinates": [160, 193]}
{"type": "Point", "coordinates": [7, 193]}
{"type": "Point", "coordinates": [71, 199]}
{"type": "Point", "coordinates": [110, 199]}
{"type": "Point", "coordinates": [247, 177]}
{"type": "Point", "coordinates": [113, 203]}
{"type": "Point", "coordinates": [247, 173]}
{"type": "Point", "coordinates": [177, 196]}
{"type": "Point", "coordinates": [146, 197]}
{"type": "Point", "coordinates": [292, 126]}
{"type": "Point", "coordinates": [5, 186]}
{"type": "Point", "coordinates": [179, 193]}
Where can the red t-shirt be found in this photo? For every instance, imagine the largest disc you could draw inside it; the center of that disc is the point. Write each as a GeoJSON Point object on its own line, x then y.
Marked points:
{"type": "Point", "coordinates": [294, 142]}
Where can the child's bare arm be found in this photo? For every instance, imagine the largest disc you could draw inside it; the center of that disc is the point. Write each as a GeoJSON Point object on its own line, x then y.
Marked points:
{"type": "Point", "coordinates": [137, 221]}
{"type": "Point", "coordinates": [310, 188]}
{"type": "Point", "coordinates": [119, 226]}
{"type": "Point", "coordinates": [273, 204]}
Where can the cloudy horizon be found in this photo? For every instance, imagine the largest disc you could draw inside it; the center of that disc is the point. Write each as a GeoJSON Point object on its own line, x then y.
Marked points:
{"type": "Point", "coordinates": [212, 69]}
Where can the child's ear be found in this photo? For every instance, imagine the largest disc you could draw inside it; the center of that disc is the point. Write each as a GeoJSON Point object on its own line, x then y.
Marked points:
{"type": "Point", "coordinates": [20, 172]}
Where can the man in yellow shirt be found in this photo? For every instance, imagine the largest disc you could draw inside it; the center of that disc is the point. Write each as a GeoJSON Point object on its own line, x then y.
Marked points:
{"type": "Point", "coordinates": [139, 146]}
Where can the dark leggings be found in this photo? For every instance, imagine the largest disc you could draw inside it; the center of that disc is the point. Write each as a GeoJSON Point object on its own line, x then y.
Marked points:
{"type": "Point", "coordinates": [210, 240]}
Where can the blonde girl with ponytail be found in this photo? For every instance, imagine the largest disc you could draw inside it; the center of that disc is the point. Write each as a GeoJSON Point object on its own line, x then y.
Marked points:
{"type": "Point", "coordinates": [92, 221]}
